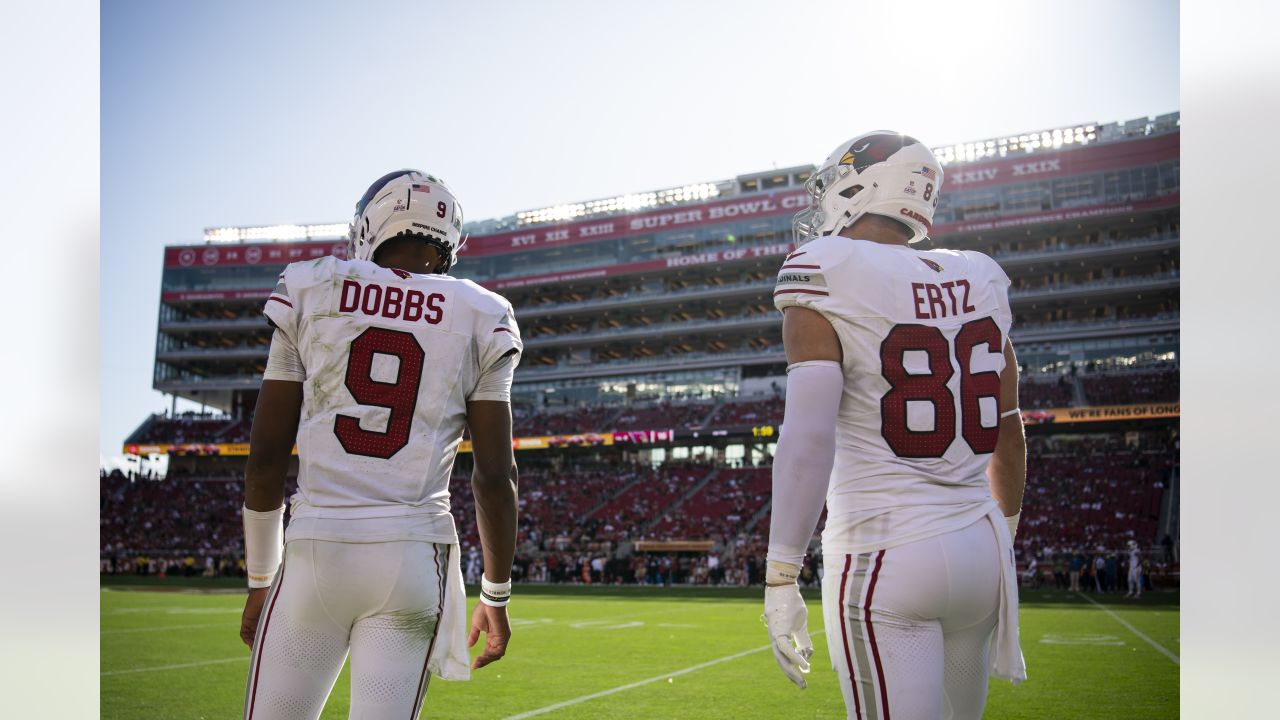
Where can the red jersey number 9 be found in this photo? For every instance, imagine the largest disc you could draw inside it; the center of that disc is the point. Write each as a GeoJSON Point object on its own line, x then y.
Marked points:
{"type": "Point", "coordinates": [400, 396]}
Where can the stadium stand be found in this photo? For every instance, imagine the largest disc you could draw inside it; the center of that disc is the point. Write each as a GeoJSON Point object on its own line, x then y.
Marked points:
{"type": "Point", "coordinates": [1038, 393]}
{"type": "Point", "coordinates": [663, 415]}
{"type": "Point", "coordinates": [1132, 387]}
{"type": "Point", "coordinates": [719, 510]}
{"type": "Point", "coordinates": [1087, 494]}
{"type": "Point", "coordinates": [650, 389]}
{"type": "Point", "coordinates": [527, 421]}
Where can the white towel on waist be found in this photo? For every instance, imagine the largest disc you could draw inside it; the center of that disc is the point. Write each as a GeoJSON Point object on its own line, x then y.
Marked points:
{"type": "Point", "coordinates": [1006, 652]}
{"type": "Point", "coordinates": [449, 658]}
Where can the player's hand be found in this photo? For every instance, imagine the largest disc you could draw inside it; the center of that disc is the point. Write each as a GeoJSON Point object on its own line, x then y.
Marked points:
{"type": "Point", "coordinates": [788, 622]}
{"type": "Point", "coordinates": [252, 611]}
{"type": "Point", "coordinates": [493, 622]}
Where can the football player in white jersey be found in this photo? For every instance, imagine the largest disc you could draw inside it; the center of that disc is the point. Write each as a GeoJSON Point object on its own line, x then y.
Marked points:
{"type": "Point", "coordinates": [902, 415]}
{"type": "Point", "coordinates": [377, 362]}
{"type": "Point", "coordinates": [1135, 570]}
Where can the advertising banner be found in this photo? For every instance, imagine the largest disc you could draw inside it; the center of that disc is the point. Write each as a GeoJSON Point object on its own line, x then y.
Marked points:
{"type": "Point", "coordinates": [1102, 413]}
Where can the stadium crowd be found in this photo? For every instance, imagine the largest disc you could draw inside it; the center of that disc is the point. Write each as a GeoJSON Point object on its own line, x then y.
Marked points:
{"type": "Point", "coordinates": [1131, 387]}
{"type": "Point", "coordinates": [1087, 497]}
{"type": "Point", "coordinates": [170, 526]}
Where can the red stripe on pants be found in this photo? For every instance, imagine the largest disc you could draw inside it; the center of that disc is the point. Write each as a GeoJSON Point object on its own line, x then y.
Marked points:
{"type": "Point", "coordinates": [442, 581]}
{"type": "Point", "coordinates": [871, 633]}
{"type": "Point", "coordinates": [257, 666]}
{"type": "Point", "coordinates": [844, 635]}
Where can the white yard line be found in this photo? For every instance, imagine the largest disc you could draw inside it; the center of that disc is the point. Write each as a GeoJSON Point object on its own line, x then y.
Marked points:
{"type": "Point", "coordinates": [1134, 630]}
{"type": "Point", "coordinates": [155, 668]}
{"type": "Point", "coordinates": [630, 686]}
{"type": "Point", "coordinates": [163, 628]}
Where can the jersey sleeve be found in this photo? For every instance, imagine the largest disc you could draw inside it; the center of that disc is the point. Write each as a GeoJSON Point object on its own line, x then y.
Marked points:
{"type": "Point", "coordinates": [499, 337]}
{"type": "Point", "coordinates": [1000, 289]}
{"type": "Point", "coordinates": [802, 279]}
{"type": "Point", "coordinates": [283, 361]}
{"type": "Point", "coordinates": [495, 382]}
{"type": "Point", "coordinates": [280, 308]}
{"type": "Point", "coordinates": [284, 306]}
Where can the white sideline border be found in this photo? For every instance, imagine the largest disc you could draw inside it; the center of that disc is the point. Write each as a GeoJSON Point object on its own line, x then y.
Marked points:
{"type": "Point", "coordinates": [155, 668]}
{"type": "Point", "coordinates": [1164, 651]}
{"type": "Point", "coordinates": [630, 686]}
{"type": "Point", "coordinates": [162, 628]}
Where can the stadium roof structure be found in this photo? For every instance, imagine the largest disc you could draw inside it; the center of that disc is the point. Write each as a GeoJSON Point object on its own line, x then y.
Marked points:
{"type": "Point", "coordinates": [1022, 144]}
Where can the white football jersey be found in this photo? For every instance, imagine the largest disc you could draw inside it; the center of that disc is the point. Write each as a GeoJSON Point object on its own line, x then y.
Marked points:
{"type": "Point", "coordinates": [391, 359]}
{"type": "Point", "coordinates": [923, 336]}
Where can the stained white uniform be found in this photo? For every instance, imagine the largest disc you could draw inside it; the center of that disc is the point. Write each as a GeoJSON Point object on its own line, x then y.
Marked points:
{"type": "Point", "coordinates": [371, 560]}
{"type": "Point", "coordinates": [918, 559]}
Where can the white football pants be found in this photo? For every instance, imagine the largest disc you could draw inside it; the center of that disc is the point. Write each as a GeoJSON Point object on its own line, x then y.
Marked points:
{"type": "Point", "coordinates": [909, 627]}
{"type": "Point", "coordinates": [381, 601]}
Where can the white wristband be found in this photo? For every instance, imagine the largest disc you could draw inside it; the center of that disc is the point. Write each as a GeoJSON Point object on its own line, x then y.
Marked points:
{"type": "Point", "coordinates": [778, 572]}
{"type": "Point", "coordinates": [1012, 522]}
{"type": "Point", "coordinates": [263, 545]}
{"type": "Point", "coordinates": [494, 594]}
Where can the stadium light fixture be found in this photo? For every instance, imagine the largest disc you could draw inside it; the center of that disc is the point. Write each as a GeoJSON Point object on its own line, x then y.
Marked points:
{"type": "Point", "coordinates": [620, 203]}
{"type": "Point", "coordinates": [275, 233]}
{"type": "Point", "coordinates": [221, 235]}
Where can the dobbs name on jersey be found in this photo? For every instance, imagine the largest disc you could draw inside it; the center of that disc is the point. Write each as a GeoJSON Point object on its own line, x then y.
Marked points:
{"type": "Point", "coordinates": [391, 360]}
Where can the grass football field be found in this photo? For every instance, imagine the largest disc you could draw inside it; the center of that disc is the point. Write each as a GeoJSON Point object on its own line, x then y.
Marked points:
{"type": "Point", "coordinates": [643, 653]}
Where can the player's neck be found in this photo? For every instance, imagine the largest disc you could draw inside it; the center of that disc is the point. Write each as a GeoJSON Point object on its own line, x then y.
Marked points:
{"type": "Point", "coordinates": [410, 262]}
{"type": "Point", "coordinates": [876, 229]}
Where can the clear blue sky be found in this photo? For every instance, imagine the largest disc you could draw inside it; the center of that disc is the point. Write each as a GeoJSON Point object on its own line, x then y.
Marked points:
{"type": "Point", "coordinates": [244, 113]}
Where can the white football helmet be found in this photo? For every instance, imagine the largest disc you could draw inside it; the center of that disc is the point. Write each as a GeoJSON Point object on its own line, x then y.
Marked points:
{"type": "Point", "coordinates": [883, 173]}
{"type": "Point", "coordinates": [407, 202]}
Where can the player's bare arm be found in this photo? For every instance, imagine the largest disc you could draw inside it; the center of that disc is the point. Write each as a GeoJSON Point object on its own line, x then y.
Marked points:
{"type": "Point", "coordinates": [494, 483]}
{"type": "Point", "coordinates": [801, 470]}
{"type": "Point", "coordinates": [275, 428]}
{"type": "Point", "coordinates": [1007, 471]}
{"type": "Point", "coordinates": [808, 336]}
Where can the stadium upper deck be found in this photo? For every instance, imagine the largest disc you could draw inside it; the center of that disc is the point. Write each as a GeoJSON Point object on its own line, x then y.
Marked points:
{"type": "Point", "coordinates": [667, 295]}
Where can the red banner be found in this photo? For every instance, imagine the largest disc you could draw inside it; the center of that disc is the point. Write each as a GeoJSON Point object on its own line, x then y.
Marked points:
{"type": "Point", "coordinates": [683, 217]}
{"type": "Point", "coordinates": [1076, 161]}
{"type": "Point", "coordinates": [1082, 213]}
{"type": "Point", "coordinates": [782, 249]}
{"type": "Point", "coordinates": [1087, 159]}
{"type": "Point", "coordinates": [733, 254]}
{"type": "Point", "coordinates": [264, 254]}
{"type": "Point", "coordinates": [256, 294]}
{"type": "Point", "coordinates": [710, 258]}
